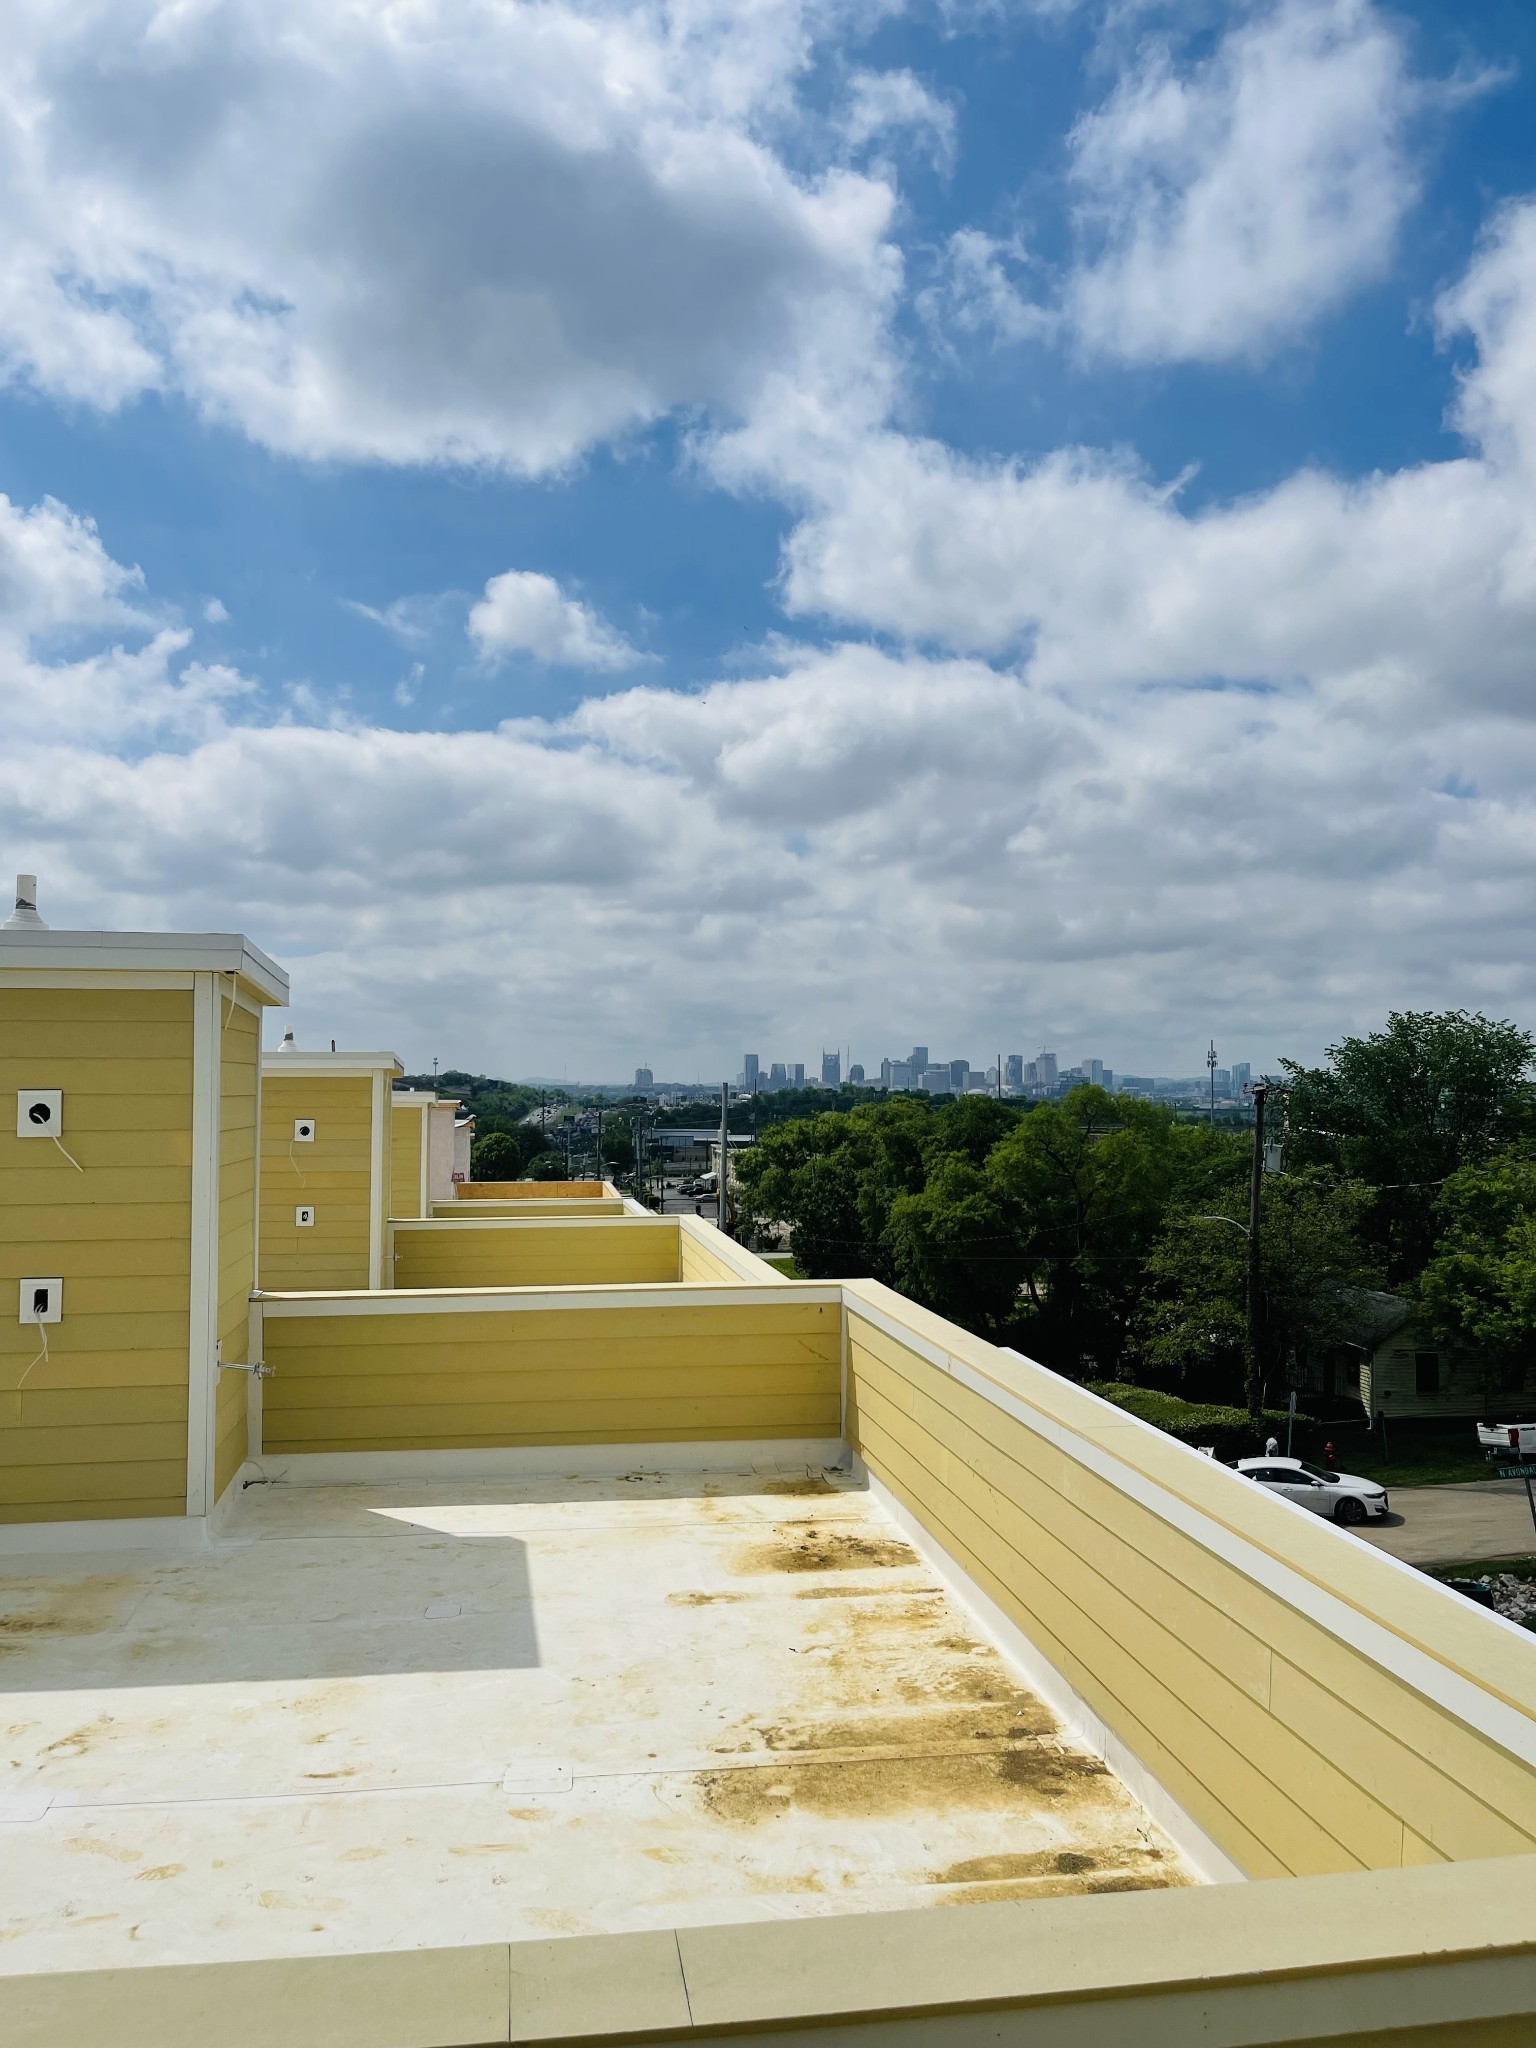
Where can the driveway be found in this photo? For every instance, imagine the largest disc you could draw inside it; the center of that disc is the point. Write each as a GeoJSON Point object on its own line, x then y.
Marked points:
{"type": "Point", "coordinates": [1456, 1524]}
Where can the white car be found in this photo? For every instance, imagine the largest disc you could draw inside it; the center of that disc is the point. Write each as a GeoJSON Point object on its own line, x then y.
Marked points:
{"type": "Point", "coordinates": [1339, 1495]}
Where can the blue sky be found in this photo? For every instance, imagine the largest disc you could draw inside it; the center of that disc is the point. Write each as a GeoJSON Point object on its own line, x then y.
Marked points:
{"type": "Point", "coordinates": [603, 533]}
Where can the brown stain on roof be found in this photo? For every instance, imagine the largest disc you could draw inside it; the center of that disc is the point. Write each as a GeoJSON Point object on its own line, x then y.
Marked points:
{"type": "Point", "coordinates": [860, 1592]}
{"type": "Point", "coordinates": [907, 1782]}
{"type": "Point", "coordinates": [807, 1548]}
{"type": "Point", "coordinates": [36, 1607]}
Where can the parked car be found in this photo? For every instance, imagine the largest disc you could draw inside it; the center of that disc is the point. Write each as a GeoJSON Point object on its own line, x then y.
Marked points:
{"type": "Point", "coordinates": [1507, 1439]}
{"type": "Point", "coordinates": [1340, 1496]}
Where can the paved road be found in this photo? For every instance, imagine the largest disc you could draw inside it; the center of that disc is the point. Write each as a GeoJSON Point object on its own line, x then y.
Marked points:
{"type": "Point", "coordinates": [1453, 1524]}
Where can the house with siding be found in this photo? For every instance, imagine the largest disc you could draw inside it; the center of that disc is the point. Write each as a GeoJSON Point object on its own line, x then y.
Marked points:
{"type": "Point", "coordinates": [1392, 1365]}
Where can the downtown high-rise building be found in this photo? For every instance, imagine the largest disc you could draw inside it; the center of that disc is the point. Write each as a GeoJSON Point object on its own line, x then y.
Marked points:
{"type": "Point", "coordinates": [749, 1072]}
{"type": "Point", "coordinates": [831, 1070]}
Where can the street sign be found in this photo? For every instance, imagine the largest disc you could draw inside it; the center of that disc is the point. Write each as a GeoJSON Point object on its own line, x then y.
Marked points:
{"type": "Point", "coordinates": [1517, 1471]}
{"type": "Point", "coordinates": [1522, 1472]}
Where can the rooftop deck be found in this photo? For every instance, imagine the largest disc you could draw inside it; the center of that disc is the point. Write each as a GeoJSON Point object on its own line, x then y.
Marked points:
{"type": "Point", "coordinates": [411, 1715]}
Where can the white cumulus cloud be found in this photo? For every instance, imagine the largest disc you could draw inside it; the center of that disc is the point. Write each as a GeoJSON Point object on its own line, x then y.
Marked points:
{"type": "Point", "coordinates": [1225, 206]}
{"type": "Point", "coordinates": [482, 234]}
{"type": "Point", "coordinates": [523, 612]}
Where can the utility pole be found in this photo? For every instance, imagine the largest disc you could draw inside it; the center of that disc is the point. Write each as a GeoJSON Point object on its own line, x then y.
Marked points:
{"type": "Point", "coordinates": [724, 1174]}
{"type": "Point", "coordinates": [1210, 1061]}
{"type": "Point", "coordinates": [599, 1174]}
{"type": "Point", "coordinates": [1255, 1285]}
{"type": "Point", "coordinates": [998, 1078]}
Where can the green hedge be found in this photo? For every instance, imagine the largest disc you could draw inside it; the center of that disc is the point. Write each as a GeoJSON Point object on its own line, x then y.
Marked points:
{"type": "Point", "coordinates": [1227, 1430]}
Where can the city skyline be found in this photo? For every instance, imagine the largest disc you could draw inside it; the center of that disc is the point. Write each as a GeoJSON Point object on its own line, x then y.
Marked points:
{"type": "Point", "coordinates": [1041, 1075]}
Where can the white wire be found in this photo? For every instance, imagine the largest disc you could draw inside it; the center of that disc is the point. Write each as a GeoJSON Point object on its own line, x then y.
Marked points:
{"type": "Point", "coordinates": [293, 1162]}
{"type": "Point", "coordinates": [41, 1358]}
{"type": "Point", "coordinates": [74, 1162]}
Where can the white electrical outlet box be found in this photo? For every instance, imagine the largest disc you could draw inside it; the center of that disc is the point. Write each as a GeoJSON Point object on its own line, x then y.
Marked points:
{"type": "Point", "coordinates": [39, 1112]}
{"type": "Point", "coordinates": [304, 1217]}
{"type": "Point", "coordinates": [42, 1301]}
{"type": "Point", "coordinates": [303, 1130]}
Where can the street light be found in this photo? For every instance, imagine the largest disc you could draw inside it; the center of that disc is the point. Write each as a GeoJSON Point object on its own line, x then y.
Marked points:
{"type": "Point", "coordinates": [1259, 1090]}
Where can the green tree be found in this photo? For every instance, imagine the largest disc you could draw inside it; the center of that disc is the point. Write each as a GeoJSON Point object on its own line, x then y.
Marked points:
{"type": "Point", "coordinates": [497, 1157]}
{"type": "Point", "coordinates": [833, 1178]}
{"type": "Point", "coordinates": [1191, 1326]}
{"type": "Point", "coordinates": [1404, 1108]}
{"type": "Point", "coordinates": [548, 1166]}
{"type": "Point", "coordinates": [954, 1246]}
{"type": "Point", "coordinates": [1479, 1290]}
{"type": "Point", "coordinates": [1088, 1180]}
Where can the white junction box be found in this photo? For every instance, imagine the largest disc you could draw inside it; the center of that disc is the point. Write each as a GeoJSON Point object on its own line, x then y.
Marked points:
{"type": "Point", "coordinates": [42, 1301]}
{"type": "Point", "coordinates": [303, 1130]}
{"type": "Point", "coordinates": [304, 1217]}
{"type": "Point", "coordinates": [39, 1112]}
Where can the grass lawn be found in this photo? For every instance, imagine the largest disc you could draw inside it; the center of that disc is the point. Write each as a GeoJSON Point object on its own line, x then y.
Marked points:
{"type": "Point", "coordinates": [1418, 1453]}
{"type": "Point", "coordinates": [1486, 1567]}
{"type": "Point", "coordinates": [784, 1263]}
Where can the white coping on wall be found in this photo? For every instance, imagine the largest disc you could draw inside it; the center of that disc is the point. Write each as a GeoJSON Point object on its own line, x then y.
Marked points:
{"type": "Point", "coordinates": [134, 952]}
{"type": "Point", "coordinates": [276, 1061]}
{"type": "Point", "coordinates": [1416, 1668]}
{"type": "Point", "coordinates": [556, 1461]}
{"type": "Point", "coordinates": [405, 1301]}
{"type": "Point", "coordinates": [715, 1241]}
{"type": "Point", "coordinates": [543, 1221]}
{"type": "Point", "coordinates": [1422, 1580]}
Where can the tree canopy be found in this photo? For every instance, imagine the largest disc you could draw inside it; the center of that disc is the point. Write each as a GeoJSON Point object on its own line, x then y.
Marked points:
{"type": "Point", "coordinates": [1479, 1290]}
{"type": "Point", "coordinates": [1405, 1107]}
{"type": "Point", "coordinates": [1191, 1323]}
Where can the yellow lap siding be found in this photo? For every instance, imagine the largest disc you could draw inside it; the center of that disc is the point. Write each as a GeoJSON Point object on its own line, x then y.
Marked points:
{"type": "Point", "coordinates": [536, 1254]}
{"type": "Point", "coordinates": [332, 1175]}
{"type": "Point", "coordinates": [100, 1425]}
{"type": "Point", "coordinates": [584, 1375]}
{"type": "Point", "coordinates": [1293, 1749]}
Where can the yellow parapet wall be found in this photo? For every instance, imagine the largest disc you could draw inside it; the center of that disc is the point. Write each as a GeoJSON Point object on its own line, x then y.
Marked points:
{"type": "Point", "coordinates": [532, 1190]}
{"type": "Point", "coordinates": [709, 1256]}
{"type": "Point", "coordinates": [554, 1366]}
{"type": "Point", "coordinates": [1312, 1706]}
{"type": "Point", "coordinates": [478, 1251]}
{"type": "Point", "coordinates": [1408, 1959]}
{"type": "Point", "coordinates": [587, 1205]}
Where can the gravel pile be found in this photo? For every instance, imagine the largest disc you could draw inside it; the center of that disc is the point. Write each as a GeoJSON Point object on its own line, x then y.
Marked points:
{"type": "Point", "coordinates": [1513, 1597]}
